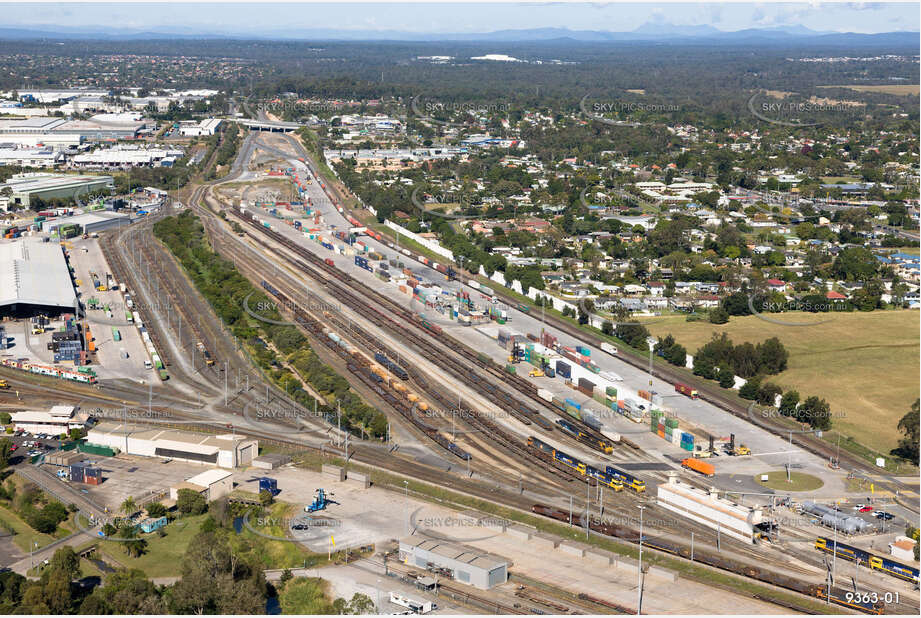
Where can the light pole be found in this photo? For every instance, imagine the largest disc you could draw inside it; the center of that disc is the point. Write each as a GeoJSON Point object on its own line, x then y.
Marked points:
{"type": "Point", "coordinates": [639, 568]}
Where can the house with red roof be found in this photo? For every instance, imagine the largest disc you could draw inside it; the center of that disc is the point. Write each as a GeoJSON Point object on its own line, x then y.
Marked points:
{"type": "Point", "coordinates": [776, 285]}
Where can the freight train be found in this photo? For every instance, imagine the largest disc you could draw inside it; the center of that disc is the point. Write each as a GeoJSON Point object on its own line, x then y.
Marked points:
{"type": "Point", "coordinates": [634, 483]}
{"type": "Point", "coordinates": [820, 591]}
{"type": "Point", "coordinates": [392, 366]}
{"type": "Point", "coordinates": [578, 465]}
{"type": "Point", "coordinates": [396, 394]}
{"type": "Point", "coordinates": [583, 436]}
{"type": "Point", "coordinates": [872, 561]}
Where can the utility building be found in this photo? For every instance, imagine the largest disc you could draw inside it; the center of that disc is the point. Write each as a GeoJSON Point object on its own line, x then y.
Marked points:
{"type": "Point", "coordinates": [461, 563]}
{"type": "Point", "coordinates": [707, 508]}
{"type": "Point", "coordinates": [223, 451]}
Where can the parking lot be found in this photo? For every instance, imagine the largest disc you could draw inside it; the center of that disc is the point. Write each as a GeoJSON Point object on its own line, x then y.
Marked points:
{"type": "Point", "coordinates": [130, 475]}
{"type": "Point", "coordinates": [116, 359]}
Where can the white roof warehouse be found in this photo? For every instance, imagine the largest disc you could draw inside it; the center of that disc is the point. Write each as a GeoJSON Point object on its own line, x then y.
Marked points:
{"type": "Point", "coordinates": [34, 278]}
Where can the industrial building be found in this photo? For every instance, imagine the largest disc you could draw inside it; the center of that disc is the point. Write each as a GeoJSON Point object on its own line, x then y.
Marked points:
{"type": "Point", "coordinates": [126, 156]}
{"type": "Point", "coordinates": [45, 186]}
{"type": "Point", "coordinates": [707, 508]}
{"type": "Point", "coordinates": [34, 278]}
{"type": "Point", "coordinates": [57, 420]}
{"type": "Point", "coordinates": [206, 127]}
{"type": "Point", "coordinates": [96, 221]}
{"type": "Point", "coordinates": [30, 157]}
{"type": "Point", "coordinates": [212, 484]}
{"type": "Point", "coordinates": [38, 95]}
{"type": "Point", "coordinates": [461, 563]}
{"type": "Point", "coordinates": [223, 451]}
{"type": "Point", "coordinates": [848, 524]}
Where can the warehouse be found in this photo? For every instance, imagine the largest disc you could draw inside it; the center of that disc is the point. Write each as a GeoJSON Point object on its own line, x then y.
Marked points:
{"type": "Point", "coordinates": [57, 420]}
{"type": "Point", "coordinates": [30, 157]}
{"type": "Point", "coordinates": [205, 127]}
{"type": "Point", "coordinates": [34, 279]}
{"type": "Point", "coordinates": [123, 157]}
{"type": "Point", "coordinates": [707, 508]}
{"type": "Point", "coordinates": [45, 186]}
{"type": "Point", "coordinates": [88, 223]}
{"type": "Point", "coordinates": [223, 451]}
{"type": "Point", "coordinates": [212, 484]}
{"type": "Point", "coordinates": [461, 563]}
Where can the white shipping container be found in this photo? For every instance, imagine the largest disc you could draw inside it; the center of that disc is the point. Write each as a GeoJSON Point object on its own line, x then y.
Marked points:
{"type": "Point", "coordinates": [607, 347]}
{"type": "Point", "coordinates": [611, 435]}
{"type": "Point", "coordinates": [545, 394]}
{"type": "Point", "coordinates": [676, 436]}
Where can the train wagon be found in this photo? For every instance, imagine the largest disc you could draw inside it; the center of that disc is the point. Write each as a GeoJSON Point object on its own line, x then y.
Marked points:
{"type": "Point", "coordinates": [637, 485]}
{"type": "Point", "coordinates": [871, 561]}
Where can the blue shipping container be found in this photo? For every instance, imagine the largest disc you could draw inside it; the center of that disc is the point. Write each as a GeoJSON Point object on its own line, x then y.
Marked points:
{"type": "Point", "coordinates": [563, 369]}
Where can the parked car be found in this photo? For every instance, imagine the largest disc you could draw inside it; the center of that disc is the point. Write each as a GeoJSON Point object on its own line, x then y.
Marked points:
{"type": "Point", "coordinates": [884, 515]}
{"type": "Point", "coordinates": [866, 509]}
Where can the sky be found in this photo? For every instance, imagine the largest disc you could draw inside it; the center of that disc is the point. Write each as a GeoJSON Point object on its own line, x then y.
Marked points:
{"type": "Point", "coordinates": [433, 17]}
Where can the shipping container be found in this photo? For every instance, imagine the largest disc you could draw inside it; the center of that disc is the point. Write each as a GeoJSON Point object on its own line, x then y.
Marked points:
{"type": "Point", "coordinates": [684, 389]}
{"type": "Point", "coordinates": [697, 465]}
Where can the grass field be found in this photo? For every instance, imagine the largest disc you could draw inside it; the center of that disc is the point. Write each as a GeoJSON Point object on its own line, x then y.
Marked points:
{"type": "Point", "coordinates": [164, 554]}
{"type": "Point", "coordinates": [897, 89]}
{"type": "Point", "coordinates": [798, 481]}
{"type": "Point", "coordinates": [864, 364]}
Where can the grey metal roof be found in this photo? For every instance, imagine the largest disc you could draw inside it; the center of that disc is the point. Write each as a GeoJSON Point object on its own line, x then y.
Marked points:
{"type": "Point", "coordinates": [34, 272]}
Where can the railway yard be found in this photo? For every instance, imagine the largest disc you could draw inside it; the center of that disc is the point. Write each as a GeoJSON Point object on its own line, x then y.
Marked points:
{"type": "Point", "coordinates": [468, 422]}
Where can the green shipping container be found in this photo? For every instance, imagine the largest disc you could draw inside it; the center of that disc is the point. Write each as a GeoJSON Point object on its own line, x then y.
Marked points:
{"type": "Point", "coordinates": [611, 392]}
{"type": "Point", "coordinates": [163, 375]}
{"type": "Point", "coordinates": [510, 368]}
{"type": "Point", "coordinates": [671, 422]}
{"type": "Point", "coordinates": [117, 336]}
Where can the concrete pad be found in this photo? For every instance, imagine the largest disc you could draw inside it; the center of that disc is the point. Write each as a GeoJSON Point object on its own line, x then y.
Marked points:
{"type": "Point", "coordinates": [626, 565]}
{"type": "Point", "coordinates": [600, 556]}
{"type": "Point", "coordinates": [572, 548]}
{"type": "Point", "coordinates": [335, 472]}
{"type": "Point", "coordinates": [494, 523]}
{"type": "Point", "coordinates": [542, 539]}
{"type": "Point", "coordinates": [519, 532]}
{"type": "Point", "coordinates": [661, 573]}
{"type": "Point", "coordinates": [358, 478]}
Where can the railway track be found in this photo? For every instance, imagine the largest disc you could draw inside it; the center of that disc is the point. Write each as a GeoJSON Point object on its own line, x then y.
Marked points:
{"type": "Point", "coordinates": [413, 469]}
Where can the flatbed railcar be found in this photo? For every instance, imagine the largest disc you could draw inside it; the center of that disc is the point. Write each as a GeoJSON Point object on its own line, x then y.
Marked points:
{"type": "Point", "coordinates": [867, 559]}
{"type": "Point", "coordinates": [819, 591]}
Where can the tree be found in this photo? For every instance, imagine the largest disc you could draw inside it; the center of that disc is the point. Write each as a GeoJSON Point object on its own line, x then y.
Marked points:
{"type": "Point", "coordinates": [155, 509]}
{"type": "Point", "coordinates": [265, 497]}
{"type": "Point", "coordinates": [908, 425]}
{"type": "Point", "coordinates": [66, 561]}
{"type": "Point", "coordinates": [749, 390]}
{"type": "Point", "coordinates": [6, 446]}
{"type": "Point", "coordinates": [816, 412]}
{"type": "Point", "coordinates": [129, 506]}
{"type": "Point", "coordinates": [726, 377]}
{"type": "Point", "coordinates": [190, 502]}
{"type": "Point", "coordinates": [788, 403]}
{"type": "Point", "coordinates": [361, 604]}
{"type": "Point", "coordinates": [855, 264]}
{"type": "Point", "coordinates": [772, 356]}
{"type": "Point", "coordinates": [767, 394]}
{"type": "Point", "coordinates": [134, 546]}
{"type": "Point", "coordinates": [718, 315]}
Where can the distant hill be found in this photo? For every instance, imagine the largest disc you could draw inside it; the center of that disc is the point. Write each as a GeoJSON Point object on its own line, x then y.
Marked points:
{"type": "Point", "coordinates": [651, 31]}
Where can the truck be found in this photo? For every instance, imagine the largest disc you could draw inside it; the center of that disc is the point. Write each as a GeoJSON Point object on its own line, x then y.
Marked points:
{"type": "Point", "coordinates": [684, 389]}
{"type": "Point", "coordinates": [697, 465]}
